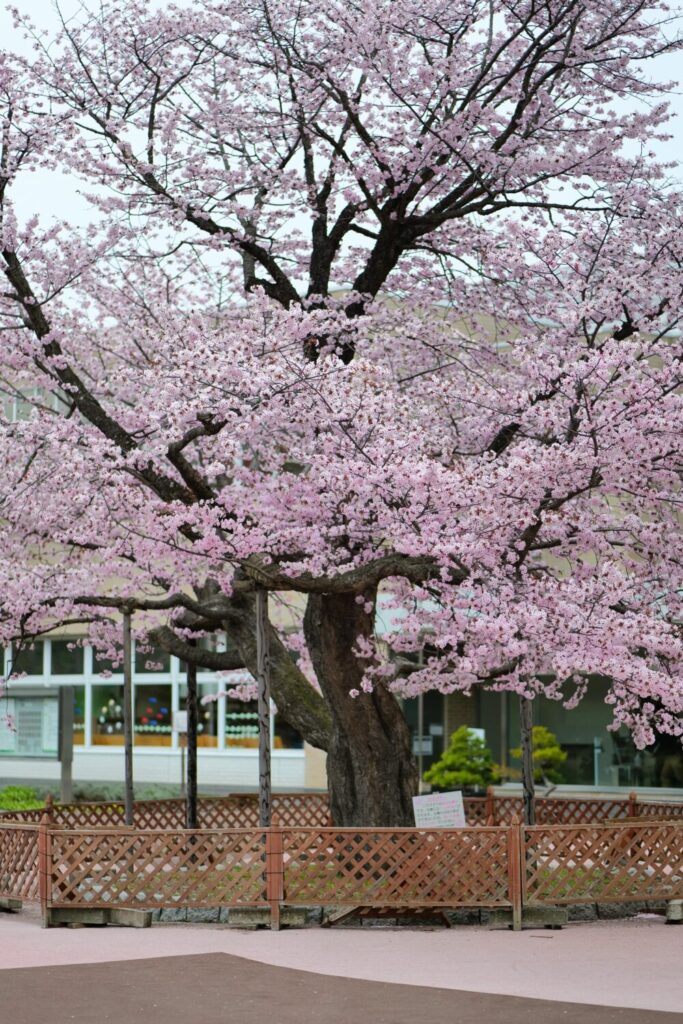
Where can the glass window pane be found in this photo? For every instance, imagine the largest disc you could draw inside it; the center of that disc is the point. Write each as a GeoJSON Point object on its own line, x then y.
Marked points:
{"type": "Point", "coordinates": [286, 738]}
{"type": "Point", "coordinates": [28, 658]}
{"type": "Point", "coordinates": [107, 716]}
{"type": "Point", "coordinates": [241, 723]}
{"type": "Point", "coordinates": [79, 716]}
{"type": "Point", "coordinates": [152, 715]}
{"type": "Point", "coordinates": [152, 660]}
{"type": "Point", "coordinates": [67, 659]}
{"type": "Point", "coordinates": [102, 664]}
{"type": "Point", "coordinates": [207, 719]}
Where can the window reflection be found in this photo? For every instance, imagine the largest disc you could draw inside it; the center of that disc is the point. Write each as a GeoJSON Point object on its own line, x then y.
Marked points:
{"type": "Point", "coordinates": [152, 722]}
{"type": "Point", "coordinates": [207, 717]}
{"type": "Point", "coordinates": [107, 716]}
{"type": "Point", "coordinates": [67, 658]}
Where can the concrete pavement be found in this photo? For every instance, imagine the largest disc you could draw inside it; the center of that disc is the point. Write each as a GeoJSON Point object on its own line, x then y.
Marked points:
{"type": "Point", "coordinates": [579, 971]}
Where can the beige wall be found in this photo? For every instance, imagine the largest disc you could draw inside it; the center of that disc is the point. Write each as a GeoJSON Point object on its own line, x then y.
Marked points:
{"type": "Point", "coordinates": [459, 710]}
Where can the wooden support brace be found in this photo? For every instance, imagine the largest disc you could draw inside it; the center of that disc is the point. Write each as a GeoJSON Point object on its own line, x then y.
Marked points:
{"type": "Point", "coordinates": [274, 874]}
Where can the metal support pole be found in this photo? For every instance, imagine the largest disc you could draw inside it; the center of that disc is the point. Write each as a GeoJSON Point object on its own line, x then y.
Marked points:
{"type": "Point", "coordinates": [528, 785]}
{"type": "Point", "coordinates": [420, 730]}
{"type": "Point", "coordinates": [263, 680]}
{"type": "Point", "coordinates": [128, 717]}
{"type": "Point", "coordinates": [192, 717]}
{"type": "Point", "coordinates": [66, 742]}
{"type": "Point", "coordinates": [504, 730]}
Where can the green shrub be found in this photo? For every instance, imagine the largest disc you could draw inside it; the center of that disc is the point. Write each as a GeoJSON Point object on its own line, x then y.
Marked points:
{"type": "Point", "coordinates": [466, 763]}
{"type": "Point", "coordinates": [548, 755]}
{"type": "Point", "coordinates": [19, 798]}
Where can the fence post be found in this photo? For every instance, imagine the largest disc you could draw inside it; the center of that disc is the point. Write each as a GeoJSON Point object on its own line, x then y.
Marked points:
{"type": "Point", "coordinates": [515, 867]}
{"type": "Point", "coordinates": [50, 808]}
{"type": "Point", "coordinates": [490, 807]}
{"type": "Point", "coordinates": [44, 866]}
{"type": "Point", "coordinates": [274, 874]}
{"type": "Point", "coordinates": [633, 805]}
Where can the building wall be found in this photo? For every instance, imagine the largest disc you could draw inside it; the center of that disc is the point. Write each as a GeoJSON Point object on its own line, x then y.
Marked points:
{"type": "Point", "coordinates": [596, 755]}
{"type": "Point", "coordinates": [460, 710]}
{"type": "Point", "coordinates": [228, 769]}
{"type": "Point", "coordinates": [227, 755]}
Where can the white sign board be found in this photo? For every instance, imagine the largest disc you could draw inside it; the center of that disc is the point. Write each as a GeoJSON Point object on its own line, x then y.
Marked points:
{"type": "Point", "coordinates": [180, 721]}
{"type": "Point", "coordinates": [439, 810]}
{"type": "Point", "coordinates": [34, 728]}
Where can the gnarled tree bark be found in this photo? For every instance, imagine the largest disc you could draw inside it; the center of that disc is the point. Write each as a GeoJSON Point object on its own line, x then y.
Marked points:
{"type": "Point", "coordinates": [372, 775]}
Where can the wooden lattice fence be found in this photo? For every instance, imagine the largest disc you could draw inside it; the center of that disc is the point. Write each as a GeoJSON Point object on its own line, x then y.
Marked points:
{"type": "Point", "coordinates": [397, 867]}
{"type": "Point", "coordinates": [83, 855]}
{"type": "Point", "coordinates": [19, 861]}
{"type": "Point", "coordinates": [236, 810]}
{"type": "Point", "coordinates": [136, 868]}
{"type": "Point", "coordinates": [603, 863]}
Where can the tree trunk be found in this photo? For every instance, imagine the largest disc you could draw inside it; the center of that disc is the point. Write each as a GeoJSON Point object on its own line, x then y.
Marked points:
{"type": "Point", "coordinates": [371, 770]}
{"type": "Point", "coordinates": [528, 785]}
{"type": "Point", "coordinates": [300, 705]}
{"type": "Point", "coordinates": [192, 717]}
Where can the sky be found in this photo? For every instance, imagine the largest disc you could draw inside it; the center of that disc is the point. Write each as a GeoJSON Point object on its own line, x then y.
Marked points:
{"type": "Point", "coordinates": [56, 195]}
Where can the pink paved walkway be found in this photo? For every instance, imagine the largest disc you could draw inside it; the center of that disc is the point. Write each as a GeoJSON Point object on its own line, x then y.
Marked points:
{"type": "Point", "coordinates": [636, 963]}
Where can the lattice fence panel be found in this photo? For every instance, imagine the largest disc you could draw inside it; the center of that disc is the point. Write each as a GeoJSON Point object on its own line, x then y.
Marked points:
{"type": "Point", "coordinates": [660, 809]}
{"type": "Point", "coordinates": [310, 810]}
{"type": "Point", "coordinates": [160, 814]}
{"type": "Point", "coordinates": [375, 867]}
{"type": "Point", "coordinates": [23, 816]}
{"type": "Point", "coordinates": [599, 863]}
{"type": "Point", "coordinates": [19, 861]}
{"type": "Point", "coordinates": [475, 810]}
{"type": "Point", "coordinates": [158, 869]}
{"type": "Point", "coordinates": [240, 810]}
{"type": "Point", "coordinates": [88, 815]}
{"type": "Point", "coordinates": [505, 807]}
{"type": "Point", "coordinates": [579, 810]}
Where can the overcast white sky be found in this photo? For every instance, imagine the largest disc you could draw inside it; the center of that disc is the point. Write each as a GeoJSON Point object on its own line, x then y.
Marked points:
{"type": "Point", "coordinates": [61, 198]}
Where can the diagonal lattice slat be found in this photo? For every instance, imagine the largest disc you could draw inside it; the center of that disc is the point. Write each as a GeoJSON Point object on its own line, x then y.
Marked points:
{"type": "Point", "coordinates": [599, 863]}
{"type": "Point", "coordinates": [19, 861]}
{"type": "Point", "coordinates": [398, 868]}
{"type": "Point", "coordinates": [157, 869]}
{"type": "Point", "coordinates": [475, 810]}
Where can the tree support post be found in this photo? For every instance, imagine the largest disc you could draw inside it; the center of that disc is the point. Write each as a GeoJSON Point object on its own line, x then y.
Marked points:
{"type": "Point", "coordinates": [44, 867]}
{"type": "Point", "coordinates": [128, 718]}
{"type": "Point", "coordinates": [274, 874]}
{"type": "Point", "coordinates": [516, 867]}
{"type": "Point", "coordinates": [490, 806]}
{"type": "Point", "coordinates": [263, 680]}
{"type": "Point", "coordinates": [192, 720]}
{"type": "Point", "coordinates": [528, 785]}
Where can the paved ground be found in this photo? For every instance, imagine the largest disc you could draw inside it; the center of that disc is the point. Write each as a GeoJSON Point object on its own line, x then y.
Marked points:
{"type": "Point", "coordinates": [625, 972]}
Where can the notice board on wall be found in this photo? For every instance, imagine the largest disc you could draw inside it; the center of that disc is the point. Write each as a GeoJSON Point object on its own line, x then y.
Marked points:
{"type": "Point", "coordinates": [29, 726]}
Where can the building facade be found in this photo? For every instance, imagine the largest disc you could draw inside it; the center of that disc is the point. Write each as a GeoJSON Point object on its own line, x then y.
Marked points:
{"type": "Point", "coordinates": [228, 729]}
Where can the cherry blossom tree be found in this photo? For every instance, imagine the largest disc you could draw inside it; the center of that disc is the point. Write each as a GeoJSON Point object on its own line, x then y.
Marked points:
{"type": "Point", "coordinates": [376, 296]}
